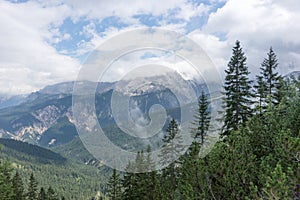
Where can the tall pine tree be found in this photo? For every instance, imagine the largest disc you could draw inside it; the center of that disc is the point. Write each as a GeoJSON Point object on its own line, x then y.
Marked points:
{"type": "Point", "coordinates": [201, 119]}
{"type": "Point", "coordinates": [137, 185]}
{"type": "Point", "coordinates": [172, 147]}
{"type": "Point", "coordinates": [6, 188]}
{"type": "Point", "coordinates": [151, 177]}
{"type": "Point", "coordinates": [192, 175]}
{"type": "Point", "coordinates": [268, 82]}
{"type": "Point", "coordinates": [141, 184]}
{"type": "Point", "coordinates": [172, 150]}
{"type": "Point", "coordinates": [42, 194]}
{"type": "Point", "coordinates": [32, 188]}
{"type": "Point", "coordinates": [237, 100]}
{"type": "Point", "coordinates": [129, 182]}
{"type": "Point", "coordinates": [114, 186]}
{"type": "Point", "coordinates": [18, 187]}
{"type": "Point", "coordinates": [51, 195]}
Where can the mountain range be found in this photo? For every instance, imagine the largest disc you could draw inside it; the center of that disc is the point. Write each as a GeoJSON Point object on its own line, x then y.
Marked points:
{"type": "Point", "coordinates": [45, 117]}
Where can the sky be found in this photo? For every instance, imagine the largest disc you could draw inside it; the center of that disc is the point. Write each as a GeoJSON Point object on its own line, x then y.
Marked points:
{"type": "Point", "coordinates": [47, 42]}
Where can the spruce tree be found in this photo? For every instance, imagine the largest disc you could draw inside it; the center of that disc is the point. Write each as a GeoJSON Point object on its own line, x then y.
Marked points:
{"type": "Point", "coordinates": [6, 188]}
{"type": "Point", "coordinates": [151, 177]}
{"type": "Point", "coordinates": [237, 95]}
{"type": "Point", "coordinates": [51, 195]}
{"type": "Point", "coordinates": [140, 187]}
{"type": "Point", "coordinates": [114, 186]}
{"type": "Point", "coordinates": [271, 77]}
{"type": "Point", "coordinates": [42, 194]}
{"type": "Point", "coordinates": [268, 82]}
{"type": "Point", "coordinates": [192, 176]}
{"type": "Point", "coordinates": [172, 149]}
{"type": "Point", "coordinates": [128, 183]}
{"type": "Point", "coordinates": [201, 119]}
{"type": "Point", "coordinates": [18, 187]}
{"type": "Point", "coordinates": [146, 181]}
{"type": "Point", "coordinates": [32, 188]}
{"type": "Point", "coordinates": [137, 186]}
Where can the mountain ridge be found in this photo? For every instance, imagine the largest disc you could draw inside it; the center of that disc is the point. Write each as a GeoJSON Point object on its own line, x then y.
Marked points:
{"type": "Point", "coordinates": [46, 117]}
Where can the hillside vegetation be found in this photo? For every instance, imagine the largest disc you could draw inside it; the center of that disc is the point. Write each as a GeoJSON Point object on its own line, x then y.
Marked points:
{"type": "Point", "coordinates": [68, 179]}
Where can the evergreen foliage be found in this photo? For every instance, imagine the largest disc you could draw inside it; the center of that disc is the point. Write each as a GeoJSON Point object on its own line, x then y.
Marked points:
{"type": "Point", "coordinates": [114, 186]}
{"type": "Point", "coordinates": [201, 119]}
{"type": "Point", "coordinates": [237, 95]}
{"type": "Point", "coordinates": [18, 187]}
{"type": "Point", "coordinates": [32, 188]}
{"type": "Point", "coordinates": [6, 187]}
{"type": "Point", "coordinates": [268, 82]}
{"type": "Point", "coordinates": [259, 159]}
{"type": "Point", "coordinates": [42, 194]}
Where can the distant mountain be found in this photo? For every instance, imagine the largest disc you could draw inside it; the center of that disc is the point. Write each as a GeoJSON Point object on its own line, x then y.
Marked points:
{"type": "Point", "coordinates": [76, 150]}
{"type": "Point", "coordinates": [29, 120]}
{"type": "Point", "coordinates": [8, 101]}
{"type": "Point", "coordinates": [67, 87]}
{"type": "Point", "coordinates": [40, 154]}
{"type": "Point", "coordinates": [59, 88]}
{"type": "Point", "coordinates": [294, 74]}
{"type": "Point", "coordinates": [45, 117]}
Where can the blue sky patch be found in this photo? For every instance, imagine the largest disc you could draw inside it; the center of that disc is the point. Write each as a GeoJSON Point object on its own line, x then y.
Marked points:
{"type": "Point", "coordinates": [76, 32]}
{"type": "Point", "coordinates": [196, 23]}
{"type": "Point", "coordinates": [148, 19]}
{"type": "Point", "coordinates": [111, 21]}
{"type": "Point", "coordinates": [17, 1]}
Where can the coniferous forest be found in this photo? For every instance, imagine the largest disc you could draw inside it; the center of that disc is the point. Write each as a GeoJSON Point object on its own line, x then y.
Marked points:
{"type": "Point", "coordinates": [257, 157]}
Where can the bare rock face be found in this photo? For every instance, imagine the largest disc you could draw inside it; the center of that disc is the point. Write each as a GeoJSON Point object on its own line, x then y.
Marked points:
{"type": "Point", "coordinates": [48, 112]}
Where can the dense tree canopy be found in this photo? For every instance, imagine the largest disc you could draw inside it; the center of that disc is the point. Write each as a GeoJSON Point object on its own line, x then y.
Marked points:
{"type": "Point", "coordinates": [238, 94]}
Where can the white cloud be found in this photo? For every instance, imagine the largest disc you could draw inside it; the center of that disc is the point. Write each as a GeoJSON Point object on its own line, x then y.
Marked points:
{"type": "Point", "coordinates": [259, 24]}
{"type": "Point", "coordinates": [30, 31]}
{"type": "Point", "coordinates": [217, 50]}
{"type": "Point", "coordinates": [95, 9]}
{"type": "Point", "coordinates": [170, 12]}
{"type": "Point", "coordinates": [27, 61]}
